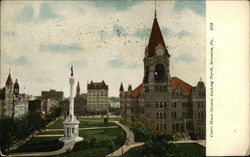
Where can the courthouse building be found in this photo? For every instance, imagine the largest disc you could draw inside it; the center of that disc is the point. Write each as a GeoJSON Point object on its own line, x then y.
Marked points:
{"type": "Point", "coordinates": [167, 104]}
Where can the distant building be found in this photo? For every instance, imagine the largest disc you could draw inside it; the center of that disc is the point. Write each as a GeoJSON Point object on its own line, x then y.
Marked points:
{"type": "Point", "coordinates": [12, 103]}
{"type": "Point", "coordinates": [97, 97]}
{"type": "Point", "coordinates": [80, 102]}
{"type": "Point", "coordinates": [35, 105]}
{"type": "Point", "coordinates": [50, 99]}
{"type": "Point", "coordinates": [167, 104]}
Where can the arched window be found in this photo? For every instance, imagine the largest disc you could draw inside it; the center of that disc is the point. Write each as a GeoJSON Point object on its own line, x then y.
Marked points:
{"type": "Point", "coordinates": [145, 79]}
{"type": "Point", "coordinates": [159, 74]}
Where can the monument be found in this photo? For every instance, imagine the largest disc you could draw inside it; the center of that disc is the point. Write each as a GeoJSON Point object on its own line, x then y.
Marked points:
{"type": "Point", "coordinates": [71, 124]}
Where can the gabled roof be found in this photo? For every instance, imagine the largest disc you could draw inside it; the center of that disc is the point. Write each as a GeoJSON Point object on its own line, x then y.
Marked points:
{"type": "Point", "coordinates": [97, 85]}
{"type": "Point", "coordinates": [176, 82]}
{"type": "Point", "coordinates": [137, 91]}
{"type": "Point", "coordinates": [155, 39]}
{"type": "Point", "coordinates": [9, 80]}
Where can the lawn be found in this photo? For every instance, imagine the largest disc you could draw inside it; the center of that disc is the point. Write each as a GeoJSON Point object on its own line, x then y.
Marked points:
{"type": "Point", "coordinates": [83, 124]}
{"type": "Point", "coordinates": [101, 119]}
{"type": "Point", "coordinates": [57, 125]}
{"type": "Point", "coordinates": [105, 142]}
{"type": "Point", "coordinates": [177, 150]}
{"type": "Point", "coordinates": [51, 132]}
{"type": "Point", "coordinates": [41, 144]}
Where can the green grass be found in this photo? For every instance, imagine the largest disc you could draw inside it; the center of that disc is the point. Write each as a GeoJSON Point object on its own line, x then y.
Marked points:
{"type": "Point", "coordinates": [89, 124]}
{"type": "Point", "coordinates": [41, 144]}
{"type": "Point", "coordinates": [57, 125]}
{"type": "Point", "coordinates": [83, 124]}
{"type": "Point", "coordinates": [101, 119]}
{"type": "Point", "coordinates": [51, 132]}
{"type": "Point", "coordinates": [177, 150]}
{"type": "Point", "coordinates": [103, 147]}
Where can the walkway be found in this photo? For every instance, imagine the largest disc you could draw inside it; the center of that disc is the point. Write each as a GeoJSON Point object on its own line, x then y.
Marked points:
{"type": "Point", "coordinates": [200, 142]}
{"type": "Point", "coordinates": [130, 142]}
{"type": "Point", "coordinates": [67, 146]}
{"type": "Point", "coordinates": [92, 128]}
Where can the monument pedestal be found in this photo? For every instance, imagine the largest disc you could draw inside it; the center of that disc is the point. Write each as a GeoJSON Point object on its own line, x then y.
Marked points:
{"type": "Point", "coordinates": [71, 130]}
{"type": "Point", "coordinates": [71, 124]}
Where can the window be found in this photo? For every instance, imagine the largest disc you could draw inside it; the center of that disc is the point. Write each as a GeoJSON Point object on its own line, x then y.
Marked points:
{"type": "Point", "coordinates": [159, 74]}
{"type": "Point", "coordinates": [165, 88]}
{"type": "Point", "coordinates": [164, 115]}
{"type": "Point", "coordinates": [165, 126]}
{"type": "Point", "coordinates": [160, 115]}
{"type": "Point", "coordinates": [160, 104]}
{"type": "Point", "coordinates": [157, 115]}
{"type": "Point", "coordinates": [156, 104]}
{"type": "Point", "coordinates": [165, 105]}
{"type": "Point", "coordinates": [157, 126]}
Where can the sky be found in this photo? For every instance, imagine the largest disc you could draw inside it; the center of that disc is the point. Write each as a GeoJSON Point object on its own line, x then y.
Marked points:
{"type": "Point", "coordinates": [103, 40]}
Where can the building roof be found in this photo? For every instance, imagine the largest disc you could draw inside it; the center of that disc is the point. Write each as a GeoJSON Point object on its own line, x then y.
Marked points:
{"type": "Point", "coordinates": [155, 39]}
{"type": "Point", "coordinates": [97, 85]}
{"type": "Point", "coordinates": [9, 80]}
{"type": "Point", "coordinates": [121, 87]}
{"type": "Point", "coordinates": [136, 92]}
{"type": "Point", "coordinates": [176, 82]}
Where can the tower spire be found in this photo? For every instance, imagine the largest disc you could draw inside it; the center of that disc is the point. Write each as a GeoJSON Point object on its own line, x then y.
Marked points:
{"type": "Point", "coordinates": [155, 10]}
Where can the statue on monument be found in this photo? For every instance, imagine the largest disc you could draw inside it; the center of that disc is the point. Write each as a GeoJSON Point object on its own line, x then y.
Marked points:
{"type": "Point", "coordinates": [71, 70]}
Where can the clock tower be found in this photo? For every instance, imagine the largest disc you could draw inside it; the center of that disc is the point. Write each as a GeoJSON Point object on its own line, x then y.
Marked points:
{"type": "Point", "coordinates": [157, 90]}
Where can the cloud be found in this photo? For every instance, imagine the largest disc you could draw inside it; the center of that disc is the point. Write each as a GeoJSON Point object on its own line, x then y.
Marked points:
{"type": "Point", "coordinates": [78, 63]}
{"type": "Point", "coordinates": [117, 5]}
{"type": "Point", "coordinates": [105, 34]}
{"type": "Point", "coordinates": [118, 30]}
{"type": "Point", "coordinates": [183, 33]}
{"type": "Point", "coordinates": [142, 32]}
{"type": "Point", "coordinates": [19, 61]}
{"type": "Point", "coordinates": [41, 79]}
{"type": "Point", "coordinates": [61, 48]}
{"type": "Point", "coordinates": [10, 33]}
{"type": "Point", "coordinates": [46, 12]}
{"type": "Point", "coordinates": [185, 58]}
{"type": "Point", "coordinates": [166, 31]}
{"type": "Point", "coordinates": [118, 63]}
{"type": "Point", "coordinates": [26, 14]}
{"type": "Point", "coordinates": [197, 6]}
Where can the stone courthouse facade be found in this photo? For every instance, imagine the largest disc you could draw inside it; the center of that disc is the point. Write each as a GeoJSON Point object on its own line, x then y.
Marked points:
{"type": "Point", "coordinates": [167, 103]}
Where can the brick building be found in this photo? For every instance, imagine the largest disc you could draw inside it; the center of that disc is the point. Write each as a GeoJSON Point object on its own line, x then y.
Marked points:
{"type": "Point", "coordinates": [168, 104]}
{"type": "Point", "coordinates": [50, 99]}
{"type": "Point", "coordinates": [97, 97]}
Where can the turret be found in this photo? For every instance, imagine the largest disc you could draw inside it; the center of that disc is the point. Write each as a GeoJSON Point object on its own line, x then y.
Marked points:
{"type": "Point", "coordinates": [16, 88]}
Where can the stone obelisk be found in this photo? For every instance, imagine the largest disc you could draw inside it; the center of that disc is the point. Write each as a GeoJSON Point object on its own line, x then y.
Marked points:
{"type": "Point", "coordinates": [71, 124]}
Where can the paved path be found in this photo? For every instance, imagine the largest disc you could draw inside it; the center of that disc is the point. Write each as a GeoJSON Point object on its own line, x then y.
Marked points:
{"type": "Point", "coordinates": [200, 142]}
{"type": "Point", "coordinates": [92, 128]}
{"type": "Point", "coordinates": [130, 142]}
{"type": "Point", "coordinates": [67, 146]}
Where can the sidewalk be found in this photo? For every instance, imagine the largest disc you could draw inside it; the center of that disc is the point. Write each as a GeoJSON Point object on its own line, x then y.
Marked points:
{"type": "Point", "coordinates": [200, 142]}
{"type": "Point", "coordinates": [130, 142]}
{"type": "Point", "coordinates": [67, 146]}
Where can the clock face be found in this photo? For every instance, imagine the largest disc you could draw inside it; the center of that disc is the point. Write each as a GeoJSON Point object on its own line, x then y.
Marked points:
{"type": "Point", "coordinates": [160, 51]}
